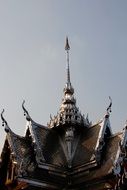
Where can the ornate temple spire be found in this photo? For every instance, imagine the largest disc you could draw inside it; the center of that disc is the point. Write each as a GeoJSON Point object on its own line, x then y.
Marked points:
{"type": "Point", "coordinates": [68, 88]}
{"type": "Point", "coordinates": [68, 112]}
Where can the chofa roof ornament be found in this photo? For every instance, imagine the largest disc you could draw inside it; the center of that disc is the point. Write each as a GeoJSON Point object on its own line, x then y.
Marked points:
{"type": "Point", "coordinates": [4, 122]}
{"type": "Point", "coordinates": [109, 110]}
{"type": "Point", "coordinates": [26, 113]}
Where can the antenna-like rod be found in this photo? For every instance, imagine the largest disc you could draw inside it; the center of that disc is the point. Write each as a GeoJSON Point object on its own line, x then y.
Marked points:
{"type": "Point", "coordinates": [67, 48]}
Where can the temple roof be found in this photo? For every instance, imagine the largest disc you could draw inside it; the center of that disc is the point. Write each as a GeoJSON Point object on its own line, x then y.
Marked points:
{"type": "Point", "coordinates": [68, 146]}
{"type": "Point", "coordinates": [50, 145]}
{"type": "Point", "coordinates": [107, 164]}
{"type": "Point", "coordinates": [86, 147]}
{"type": "Point", "coordinates": [42, 146]}
{"type": "Point", "coordinates": [69, 140]}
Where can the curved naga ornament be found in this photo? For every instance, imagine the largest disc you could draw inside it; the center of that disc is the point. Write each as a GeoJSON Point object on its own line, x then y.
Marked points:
{"type": "Point", "coordinates": [26, 113]}
{"type": "Point", "coordinates": [110, 106]}
{"type": "Point", "coordinates": [4, 122]}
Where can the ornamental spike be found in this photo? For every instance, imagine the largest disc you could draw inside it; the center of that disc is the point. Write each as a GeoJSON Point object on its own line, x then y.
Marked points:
{"type": "Point", "coordinates": [109, 107]}
{"type": "Point", "coordinates": [67, 48]}
{"type": "Point", "coordinates": [4, 122]}
{"type": "Point", "coordinates": [26, 113]}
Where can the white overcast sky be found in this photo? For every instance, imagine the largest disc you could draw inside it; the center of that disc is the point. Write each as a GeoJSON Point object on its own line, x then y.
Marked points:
{"type": "Point", "coordinates": [33, 59]}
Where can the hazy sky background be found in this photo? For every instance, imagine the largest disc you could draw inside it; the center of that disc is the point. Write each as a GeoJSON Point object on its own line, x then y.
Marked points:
{"type": "Point", "coordinates": [33, 59]}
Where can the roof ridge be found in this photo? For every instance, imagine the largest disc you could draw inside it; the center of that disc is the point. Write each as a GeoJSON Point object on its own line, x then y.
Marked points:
{"type": "Point", "coordinates": [115, 134]}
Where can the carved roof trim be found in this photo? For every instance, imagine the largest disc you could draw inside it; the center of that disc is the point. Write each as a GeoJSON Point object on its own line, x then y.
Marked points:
{"type": "Point", "coordinates": [104, 124]}
{"type": "Point", "coordinates": [38, 184]}
{"type": "Point", "coordinates": [118, 157]}
{"type": "Point", "coordinates": [124, 136]}
{"type": "Point", "coordinates": [13, 141]}
{"type": "Point", "coordinates": [121, 152]}
{"type": "Point", "coordinates": [32, 126]}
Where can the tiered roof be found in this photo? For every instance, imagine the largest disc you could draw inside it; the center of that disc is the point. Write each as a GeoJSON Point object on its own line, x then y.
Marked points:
{"type": "Point", "coordinates": [68, 153]}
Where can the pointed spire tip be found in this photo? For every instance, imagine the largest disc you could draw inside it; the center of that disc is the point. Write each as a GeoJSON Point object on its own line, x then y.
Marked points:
{"type": "Point", "coordinates": [67, 46]}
